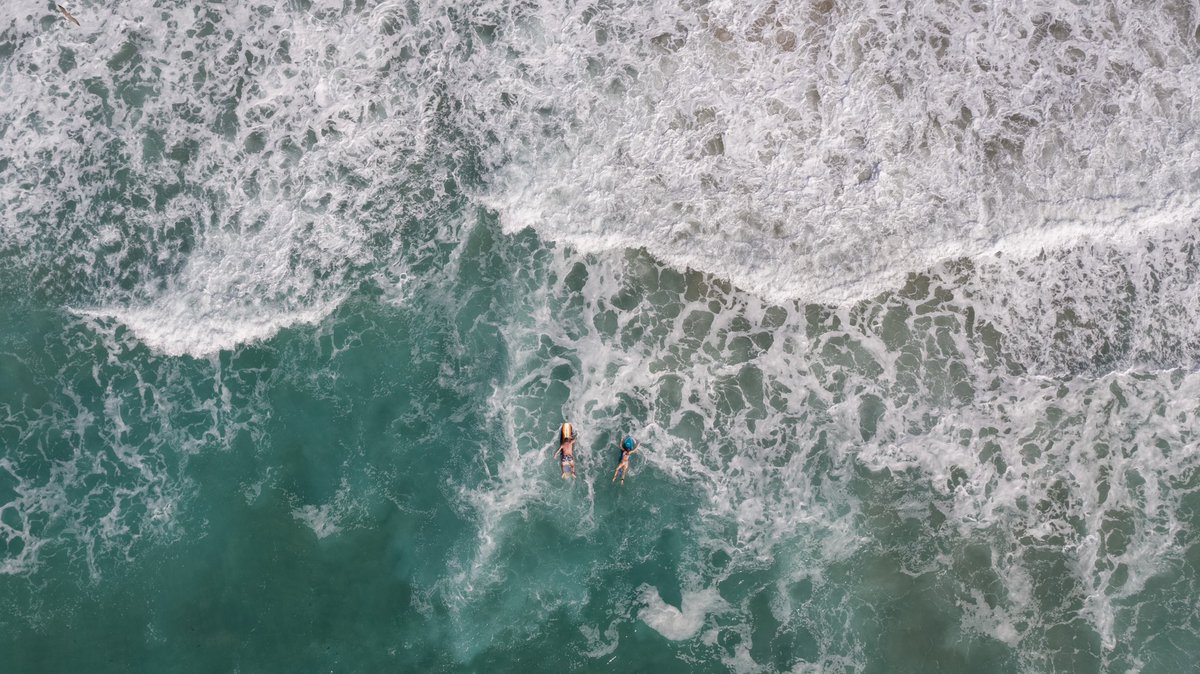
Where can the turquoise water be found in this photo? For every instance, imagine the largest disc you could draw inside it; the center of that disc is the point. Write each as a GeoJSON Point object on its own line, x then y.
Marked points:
{"type": "Point", "coordinates": [296, 297]}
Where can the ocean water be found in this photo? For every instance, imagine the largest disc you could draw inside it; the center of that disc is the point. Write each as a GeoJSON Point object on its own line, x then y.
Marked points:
{"type": "Point", "coordinates": [899, 297]}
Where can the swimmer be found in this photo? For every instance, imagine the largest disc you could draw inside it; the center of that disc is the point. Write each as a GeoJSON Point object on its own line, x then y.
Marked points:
{"type": "Point", "coordinates": [566, 447]}
{"type": "Point", "coordinates": [628, 447]}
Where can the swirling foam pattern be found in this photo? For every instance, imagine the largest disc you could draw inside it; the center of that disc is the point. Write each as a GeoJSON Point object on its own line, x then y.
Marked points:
{"type": "Point", "coordinates": [900, 298]}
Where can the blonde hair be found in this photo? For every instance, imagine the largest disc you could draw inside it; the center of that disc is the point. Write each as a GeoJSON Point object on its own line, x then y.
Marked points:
{"type": "Point", "coordinates": [567, 431]}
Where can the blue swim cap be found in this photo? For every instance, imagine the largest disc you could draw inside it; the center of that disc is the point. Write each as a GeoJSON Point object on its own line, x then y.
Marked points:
{"type": "Point", "coordinates": [628, 443]}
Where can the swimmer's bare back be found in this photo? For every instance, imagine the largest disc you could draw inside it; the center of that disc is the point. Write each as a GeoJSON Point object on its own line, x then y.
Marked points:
{"type": "Point", "coordinates": [623, 467]}
{"type": "Point", "coordinates": [566, 447]}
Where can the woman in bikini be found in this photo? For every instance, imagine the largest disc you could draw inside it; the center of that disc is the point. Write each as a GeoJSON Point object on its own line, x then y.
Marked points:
{"type": "Point", "coordinates": [566, 447]}
{"type": "Point", "coordinates": [628, 447]}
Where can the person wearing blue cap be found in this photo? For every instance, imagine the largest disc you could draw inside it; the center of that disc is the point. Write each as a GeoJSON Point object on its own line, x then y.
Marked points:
{"type": "Point", "coordinates": [628, 447]}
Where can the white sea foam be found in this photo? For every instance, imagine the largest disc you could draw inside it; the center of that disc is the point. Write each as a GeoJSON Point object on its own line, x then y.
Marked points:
{"type": "Point", "coordinates": [680, 623]}
{"type": "Point", "coordinates": [601, 645]}
{"type": "Point", "coordinates": [240, 287]}
{"type": "Point", "coordinates": [823, 152]}
{"type": "Point", "coordinates": [177, 327]}
{"type": "Point", "coordinates": [321, 519]}
{"type": "Point", "coordinates": [100, 468]}
{"type": "Point", "coordinates": [1046, 404]}
{"type": "Point", "coordinates": [344, 511]}
{"type": "Point", "coordinates": [800, 150]}
{"type": "Point", "coordinates": [773, 411]}
{"type": "Point", "coordinates": [209, 176]}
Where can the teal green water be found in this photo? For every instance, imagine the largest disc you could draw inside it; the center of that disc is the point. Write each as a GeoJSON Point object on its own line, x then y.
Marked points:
{"type": "Point", "coordinates": [293, 299]}
{"type": "Point", "coordinates": [175, 539]}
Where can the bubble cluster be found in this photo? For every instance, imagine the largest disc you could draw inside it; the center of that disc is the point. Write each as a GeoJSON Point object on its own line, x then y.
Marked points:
{"type": "Point", "coordinates": [901, 295]}
{"type": "Point", "coordinates": [910, 440]}
{"type": "Point", "coordinates": [98, 435]}
{"type": "Point", "coordinates": [822, 151]}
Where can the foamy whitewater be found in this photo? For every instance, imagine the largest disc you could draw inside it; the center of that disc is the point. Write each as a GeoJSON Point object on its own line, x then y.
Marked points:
{"type": "Point", "coordinates": [899, 298]}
